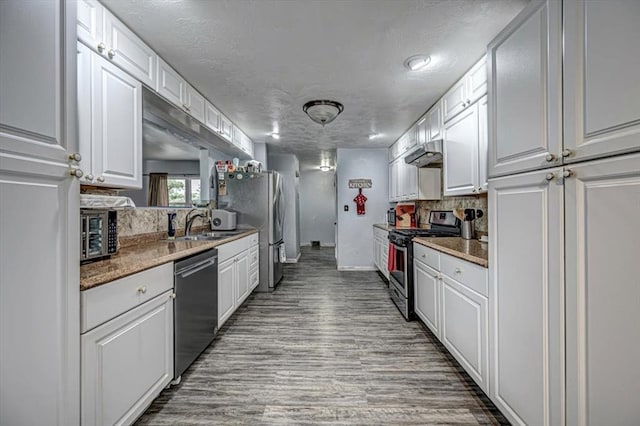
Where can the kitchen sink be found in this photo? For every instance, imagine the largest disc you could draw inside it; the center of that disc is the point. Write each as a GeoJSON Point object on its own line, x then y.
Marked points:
{"type": "Point", "coordinates": [210, 236]}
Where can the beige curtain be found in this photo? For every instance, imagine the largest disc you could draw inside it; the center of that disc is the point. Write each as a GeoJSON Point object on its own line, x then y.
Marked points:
{"type": "Point", "coordinates": [158, 190]}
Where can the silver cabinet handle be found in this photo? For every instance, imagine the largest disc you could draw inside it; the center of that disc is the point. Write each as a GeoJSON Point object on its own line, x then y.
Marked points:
{"type": "Point", "coordinates": [89, 177]}
{"type": "Point", "coordinates": [76, 172]}
{"type": "Point", "coordinates": [424, 256]}
{"type": "Point", "coordinates": [550, 176]}
{"type": "Point", "coordinates": [100, 179]}
{"type": "Point", "coordinates": [479, 190]}
{"type": "Point", "coordinates": [550, 158]}
{"type": "Point", "coordinates": [468, 101]}
{"type": "Point", "coordinates": [185, 106]}
{"type": "Point", "coordinates": [458, 271]}
{"type": "Point", "coordinates": [142, 289]}
{"type": "Point", "coordinates": [566, 153]}
{"type": "Point", "coordinates": [101, 47]}
{"type": "Point", "coordinates": [567, 173]}
{"type": "Point", "coordinates": [111, 53]}
{"type": "Point", "coordinates": [435, 276]}
{"type": "Point", "coordinates": [75, 157]}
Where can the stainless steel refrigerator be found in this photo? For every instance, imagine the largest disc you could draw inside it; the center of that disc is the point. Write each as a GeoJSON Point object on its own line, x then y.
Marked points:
{"type": "Point", "coordinates": [258, 203]}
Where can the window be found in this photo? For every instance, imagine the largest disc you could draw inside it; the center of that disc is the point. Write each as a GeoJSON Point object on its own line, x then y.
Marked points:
{"type": "Point", "coordinates": [183, 191]}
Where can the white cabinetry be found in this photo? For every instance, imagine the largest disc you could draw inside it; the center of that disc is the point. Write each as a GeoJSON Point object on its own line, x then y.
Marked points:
{"type": "Point", "coordinates": [434, 122]}
{"type": "Point", "coordinates": [464, 137]}
{"type": "Point", "coordinates": [194, 104]}
{"type": "Point", "coordinates": [237, 274]}
{"type": "Point", "coordinates": [471, 87]}
{"type": "Point", "coordinates": [451, 298]}
{"type": "Point", "coordinates": [381, 250]}
{"type": "Point", "coordinates": [170, 84]}
{"type": "Point", "coordinates": [212, 117]}
{"type": "Point", "coordinates": [126, 345]}
{"type": "Point", "coordinates": [602, 94]}
{"type": "Point", "coordinates": [602, 292]}
{"type": "Point", "coordinates": [525, 91]}
{"type": "Point", "coordinates": [407, 182]}
{"type": "Point", "coordinates": [105, 34]}
{"type": "Point", "coordinates": [526, 306]}
{"type": "Point", "coordinates": [226, 128]}
{"type": "Point", "coordinates": [39, 268]}
{"type": "Point", "coordinates": [109, 122]}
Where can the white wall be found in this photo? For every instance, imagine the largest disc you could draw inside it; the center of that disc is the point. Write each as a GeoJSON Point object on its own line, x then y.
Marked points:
{"type": "Point", "coordinates": [260, 154]}
{"type": "Point", "coordinates": [355, 233]}
{"type": "Point", "coordinates": [317, 207]}
{"type": "Point", "coordinates": [288, 166]}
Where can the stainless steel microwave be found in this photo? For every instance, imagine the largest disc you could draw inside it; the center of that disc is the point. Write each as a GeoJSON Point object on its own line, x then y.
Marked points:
{"type": "Point", "coordinates": [98, 234]}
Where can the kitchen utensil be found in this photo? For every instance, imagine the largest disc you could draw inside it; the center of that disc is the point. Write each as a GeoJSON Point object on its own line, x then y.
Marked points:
{"type": "Point", "coordinates": [479, 214]}
{"type": "Point", "coordinates": [459, 213]}
{"type": "Point", "coordinates": [469, 214]}
{"type": "Point", "coordinates": [468, 230]}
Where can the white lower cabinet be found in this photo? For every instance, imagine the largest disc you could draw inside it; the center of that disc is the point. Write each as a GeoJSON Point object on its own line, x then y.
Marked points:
{"type": "Point", "coordinates": [126, 362]}
{"type": "Point", "coordinates": [451, 298]}
{"type": "Point", "coordinates": [237, 274]}
{"type": "Point", "coordinates": [381, 250]}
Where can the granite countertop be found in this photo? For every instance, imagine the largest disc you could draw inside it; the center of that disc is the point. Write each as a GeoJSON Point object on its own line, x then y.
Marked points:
{"type": "Point", "coordinates": [472, 250]}
{"type": "Point", "coordinates": [131, 260]}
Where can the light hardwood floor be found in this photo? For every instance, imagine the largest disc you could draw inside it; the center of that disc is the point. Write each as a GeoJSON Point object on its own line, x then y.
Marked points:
{"type": "Point", "coordinates": [327, 347]}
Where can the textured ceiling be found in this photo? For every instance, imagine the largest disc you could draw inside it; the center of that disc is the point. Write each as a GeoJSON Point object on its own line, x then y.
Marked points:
{"type": "Point", "coordinates": [260, 61]}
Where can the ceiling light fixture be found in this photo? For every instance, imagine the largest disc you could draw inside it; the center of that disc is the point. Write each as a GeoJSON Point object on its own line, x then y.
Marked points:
{"type": "Point", "coordinates": [323, 111]}
{"type": "Point", "coordinates": [325, 168]}
{"type": "Point", "coordinates": [417, 62]}
{"type": "Point", "coordinates": [373, 136]}
{"type": "Point", "coordinates": [275, 135]}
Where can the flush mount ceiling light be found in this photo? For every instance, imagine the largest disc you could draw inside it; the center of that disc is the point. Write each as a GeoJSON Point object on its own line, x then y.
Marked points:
{"type": "Point", "coordinates": [325, 168]}
{"type": "Point", "coordinates": [417, 62]}
{"type": "Point", "coordinates": [275, 135]}
{"type": "Point", "coordinates": [323, 111]}
{"type": "Point", "coordinates": [373, 136]}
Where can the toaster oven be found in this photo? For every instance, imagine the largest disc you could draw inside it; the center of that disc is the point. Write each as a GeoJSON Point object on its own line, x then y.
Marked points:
{"type": "Point", "coordinates": [98, 234]}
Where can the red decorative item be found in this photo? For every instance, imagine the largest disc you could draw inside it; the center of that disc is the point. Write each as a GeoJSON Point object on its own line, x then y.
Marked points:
{"type": "Point", "coordinates": [360, 200]}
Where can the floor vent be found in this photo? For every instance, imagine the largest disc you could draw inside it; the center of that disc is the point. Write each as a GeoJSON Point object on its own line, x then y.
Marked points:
{"type": "Point", "coordinates": [315, 243]}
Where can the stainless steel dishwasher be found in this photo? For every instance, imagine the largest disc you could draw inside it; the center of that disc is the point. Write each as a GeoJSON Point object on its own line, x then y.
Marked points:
{"type": "Point", "coordinates": [195, 308]}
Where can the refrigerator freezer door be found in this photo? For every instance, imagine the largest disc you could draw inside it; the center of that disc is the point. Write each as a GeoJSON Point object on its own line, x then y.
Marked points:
{"type": "Point", "coordinates": [275, 265]}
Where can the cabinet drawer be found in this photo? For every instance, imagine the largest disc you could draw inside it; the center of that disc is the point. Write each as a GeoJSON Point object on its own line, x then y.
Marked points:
{"type": "Point", "coordinates": [253, 239]}
{"type": "Point", "coordinates": [253, 257]}
{"type": "Point", "coordinates": [100, 304]}
{"type": "Point", "coordinates": [467, 273]}
{"type": "Point", "coordinates": [233, 248]}
{"type": "Point", "coordinates": [427, 255]}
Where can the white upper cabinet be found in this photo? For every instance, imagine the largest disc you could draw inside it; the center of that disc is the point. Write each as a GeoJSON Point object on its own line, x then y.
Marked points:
{"type": "Point", "coordinates": [603, 291]}
{"type": "Point", "coordinates": [194, 104]}
{"type": "Point", "coordinates": [212, 117]}
{"type": "Point", "coordinates": [226, 128]}
{"type": "Point", "coordinates": [90, 24]}
{"type": "Point", "coordinates": [471, 87]}
{"type": "Point", "coordinates": [170, 84]}
{"type": "Point", "coordinates": [109, 122]}
{"type": "Point", "coordinates": [236, 136]}
{"type": "Point", "coordinates": [247, 144]}
{"type": "Point", "coordinates": [460, 156]}
{"type": "Point", "coordinates": [602, 94]}
{"type": "Point", "coordinates": [525, 91]}
{"type": "Point", "coordinates": [434, 122]}
{"type": "Point", "coordinates": [422, 130]}
{"type": "Point", "coordinates": [128, 51]}
{"type": "Point", "coordinates": [483, 143]}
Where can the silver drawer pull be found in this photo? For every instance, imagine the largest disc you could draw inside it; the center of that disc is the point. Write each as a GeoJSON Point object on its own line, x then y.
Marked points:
{"type": "Point", "coordinates": [142, 289]}
{"type": "Point", "coordinates": [458, 271]}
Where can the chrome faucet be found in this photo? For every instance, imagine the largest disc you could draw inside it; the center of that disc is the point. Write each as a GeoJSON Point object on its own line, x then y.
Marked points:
{"type": "Point", "coordinates": [189, 220]}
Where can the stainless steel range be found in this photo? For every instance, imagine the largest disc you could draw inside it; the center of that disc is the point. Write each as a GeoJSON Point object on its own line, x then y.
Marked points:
{"type": "Point", "coordinates": [442, 224]}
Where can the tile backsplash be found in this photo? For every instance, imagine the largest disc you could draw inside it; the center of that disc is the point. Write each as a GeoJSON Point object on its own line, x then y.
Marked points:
{"type": "Point", "coordinates": [450, 203]}
{"type": "Point", "coordinates": [151, 220]}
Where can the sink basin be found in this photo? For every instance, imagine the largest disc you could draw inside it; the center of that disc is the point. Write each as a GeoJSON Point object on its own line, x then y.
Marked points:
{"type": "Point", "coordinates": [196, 238]}
{"type": "Point", "coordinates": [222, 234]}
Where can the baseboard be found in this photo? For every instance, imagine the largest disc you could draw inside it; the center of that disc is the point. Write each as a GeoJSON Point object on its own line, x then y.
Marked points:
{"type": "Point", "coordinates": [321, 245]}
{"type": "Point", "coordinates": [357, 268]}
{"type": "Point", "coordinates": [293, 260]}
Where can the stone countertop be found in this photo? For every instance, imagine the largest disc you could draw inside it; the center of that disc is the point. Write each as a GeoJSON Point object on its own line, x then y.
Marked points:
{"type": "Point", "coordinates": [384, 226]}
{"type": "Point", "coordinates": [471, 250]}
{"type": "Point", "coordinates": [131, 260]}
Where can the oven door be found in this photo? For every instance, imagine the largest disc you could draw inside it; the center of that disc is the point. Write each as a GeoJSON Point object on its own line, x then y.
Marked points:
{"type": "Point", "coordinates": [398, 272]}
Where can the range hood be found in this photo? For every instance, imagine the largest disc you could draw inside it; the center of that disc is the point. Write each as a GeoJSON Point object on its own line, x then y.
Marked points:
{"type": "Point", "coordinates": [428, 154]}
{"type": "Point", "coordinates": [163, 120]}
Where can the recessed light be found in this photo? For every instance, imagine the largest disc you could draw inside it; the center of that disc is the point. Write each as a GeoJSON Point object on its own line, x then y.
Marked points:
{"type": "Point", "coordinates": [275, 135]}
{"type": "Point", "coordinates": [325, 168]}
{"type": "Point", "coordinates": [417, 62]}
{"type": "Point", "coordinates": [373, 136]}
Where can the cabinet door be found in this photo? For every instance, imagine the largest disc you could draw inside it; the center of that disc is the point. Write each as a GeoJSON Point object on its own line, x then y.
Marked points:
{"type": "Point", "coordinates": [410, 180]}
{"type": "Point", "coordinates": [525, 69]}
{"type": "Point", "coordinates": [170, 84]}
{"type": "Point", "coordinates": [434, 117]}
{"type": "Point", "coordinates": [454, 101]}
{"type": "Point", "coordinates": [236, 137]}
{"type": "Point", "coordinates": [601, 90]}
{"type": "Point", "coordinates": [126, 363]}
{"type": "Point", "coordinates": [226, 128]}
{"type": "Point", "coordinates": [212, 117]}
{"type": "Point", "coordinates": [461, 153]}
{"type": "Point", "coordinates": [422, 130]}
{"type": "Point", "coordinates": [476, 81]}
{"type": "Point", "coordinates": [242, 277]}
{"type": "Point", "coordinates": [464, 329]}
{"type": "Point", "coordinates": [247, 145]}
{"type": "Point", "coordinates": [391, 183]}
{"type": "Point", "coordinates": [128, 51]}
{"type": "Point", "coordinates": [385, 256]}
{"type": "Point", "coordinates": [427, 296]}
{"type": "Point", "coordinates": [85, 108]}
{"type": "Point", "coordinates": [116, 126]}
{"type": "Point", "coordinates": [89, 27]}
{"type": "Point", "coordinates": [195, 104]}
{"type": "Point", "coordinates": [226, 289]}
{"type": "Point", "coordinates": [526, 287]}
{"type": "Point", "coordinates": [603, 292]}
{"type": "Point", "coordinates": [483, 141]}
{"type": "Point", "coordinates": [39, 267]}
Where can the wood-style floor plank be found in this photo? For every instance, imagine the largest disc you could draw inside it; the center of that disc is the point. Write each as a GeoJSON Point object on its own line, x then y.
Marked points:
{"type": "Point", "coordinates": [327, 347]}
